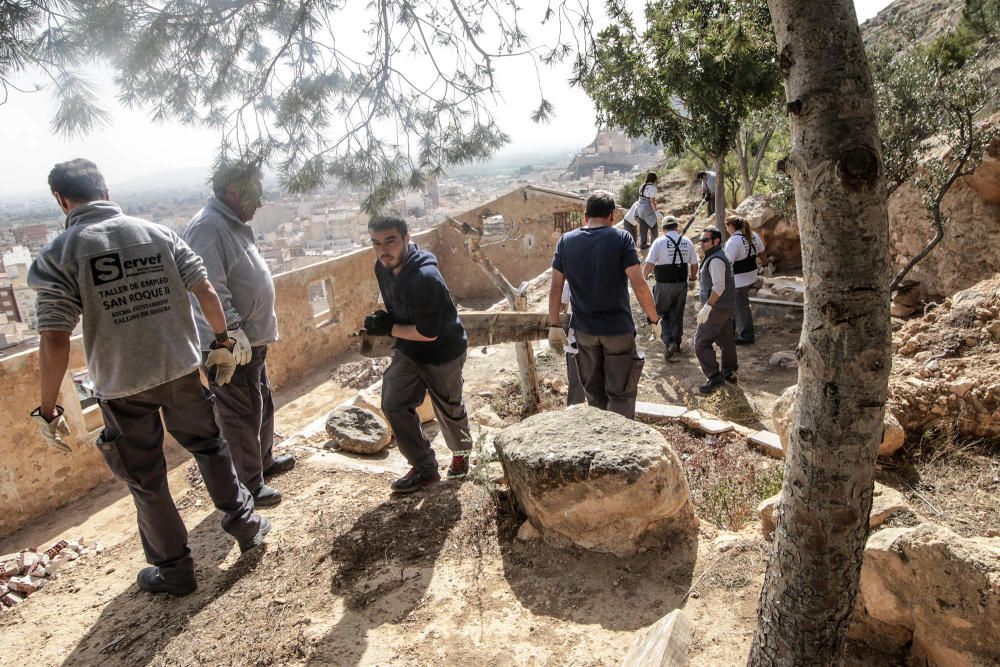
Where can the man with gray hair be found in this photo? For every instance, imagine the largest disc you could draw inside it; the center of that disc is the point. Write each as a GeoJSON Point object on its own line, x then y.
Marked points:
{"type": "Point", "coordinates": [221, 234]}
{"type": "Point", "coordinates": [128, 279]}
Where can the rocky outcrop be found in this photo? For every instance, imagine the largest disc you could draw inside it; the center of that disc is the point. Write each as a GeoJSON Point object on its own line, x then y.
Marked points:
{"type": "Point", "coordinates": [780, 234]}
{"type": "Point", "coordinates": [886, 501]}
{"type": "Point", "coordinates": [967, 253]}
{"type": "Point", "coordinates": [595, 479]}
{"type": "Point", "coordinates": [945, 363]}
{"type": "Point", "coordinates": [783, 414]}
{"type": "Point", "coordinates": [932, 592]}
{"type": "Point", "coordinates": [357, 430]}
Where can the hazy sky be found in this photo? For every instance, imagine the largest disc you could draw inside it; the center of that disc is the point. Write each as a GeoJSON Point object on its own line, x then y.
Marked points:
{"type": "Point", "coordinates": [133, 146]}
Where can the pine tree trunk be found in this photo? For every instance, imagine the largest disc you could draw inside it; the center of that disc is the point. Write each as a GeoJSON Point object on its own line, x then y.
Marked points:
{"type": "Point", "coordinates": [844, 350]}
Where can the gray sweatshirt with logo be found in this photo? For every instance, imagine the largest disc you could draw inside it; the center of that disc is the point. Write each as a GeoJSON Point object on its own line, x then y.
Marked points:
{"type": "Point", "coordinates": [129, 279]}
{"type": "Point", "coordinates": [236, 270]}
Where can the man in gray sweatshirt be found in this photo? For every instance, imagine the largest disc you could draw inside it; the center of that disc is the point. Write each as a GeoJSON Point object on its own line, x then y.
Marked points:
{"type": "Point", "coordinates": [221, 234]}
{"type": "Point", "coordinates": [129, 279]}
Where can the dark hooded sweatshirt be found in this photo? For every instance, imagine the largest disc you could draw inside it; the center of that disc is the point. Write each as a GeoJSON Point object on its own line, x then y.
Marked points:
{"type": "Point", "coordinates": [418, 295]}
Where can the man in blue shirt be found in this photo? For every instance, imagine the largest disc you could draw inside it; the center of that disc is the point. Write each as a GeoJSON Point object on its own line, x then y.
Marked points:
{"type": "Point", "coordinates": [599, 261]}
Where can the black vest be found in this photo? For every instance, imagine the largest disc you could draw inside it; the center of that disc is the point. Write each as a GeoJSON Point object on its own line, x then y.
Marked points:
{"type": "Point", "coordinates": [675, 272]}
{"type": "Point", "coordinates": [749, 263]}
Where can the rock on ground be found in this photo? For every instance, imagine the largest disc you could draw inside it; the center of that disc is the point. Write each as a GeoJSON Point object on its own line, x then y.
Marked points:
{"type": "Point", "coordinates": [780, 235]}
{"type": "Point", "coordinates": [357, 430]}
{"type": "Point", "coordinates": [886, 501]}
{"type": "Point", "coordinates": [944, 370]}
{"type": "Point", "coordinates": [929, 590]}
{"type": "Point", "coordinates": [595, 479]}
{"type": "Point", "coordinates": [973, 208]}
{"type": "Point", "coordinates": [370, 398]}
{"type": "Point", "coordinates": [783, 414]}
{"type": "Point", "coordinates": [666, 644]}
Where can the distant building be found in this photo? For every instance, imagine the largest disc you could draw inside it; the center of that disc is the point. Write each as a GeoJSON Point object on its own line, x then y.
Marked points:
{"type": "Point", "coordinates": [17, 255]}
{"type": "Point", "coordinates": [33, 236]}
{"type": "Point", "coordinates": [613, 151]}
{"type": "Point", "coordinates": [8, 303]}
{"type": "Point", "coordinates": [24, 298]}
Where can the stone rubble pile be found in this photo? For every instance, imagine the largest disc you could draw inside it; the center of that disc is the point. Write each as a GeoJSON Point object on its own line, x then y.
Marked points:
{"type": "Point", "coordinates": [360, 374]}
{"type": "Point", "coordinates": [26, 572]}
{"type": "Point", "coordinates": [945, 365]}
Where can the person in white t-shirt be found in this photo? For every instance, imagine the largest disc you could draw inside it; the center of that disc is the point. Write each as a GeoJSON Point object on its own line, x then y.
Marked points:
{"type": "Point", "coordinates": [673, 260]}
{"type": "Point", "coordinates": [746, 251]}
{"type": "Point", "coordinates": [574, 393]}
{"type": "Point", "coordinates": [646, 212]}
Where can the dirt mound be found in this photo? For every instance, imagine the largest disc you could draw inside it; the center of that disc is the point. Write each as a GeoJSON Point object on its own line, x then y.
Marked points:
{"type": "Point", "coordinates": [944, 366]}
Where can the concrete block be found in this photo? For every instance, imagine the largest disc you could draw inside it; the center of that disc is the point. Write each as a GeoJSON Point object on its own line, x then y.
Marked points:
{"type": "Point", "coordinates": [658, 412]}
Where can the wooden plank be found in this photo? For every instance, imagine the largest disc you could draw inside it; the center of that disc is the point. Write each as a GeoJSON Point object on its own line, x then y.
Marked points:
{"type": "Point", "coordinates": [483, 328]}
{"type": "Point", "coordinates": [777, 302]}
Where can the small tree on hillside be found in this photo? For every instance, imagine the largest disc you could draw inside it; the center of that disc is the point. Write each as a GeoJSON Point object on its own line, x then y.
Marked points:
{"type": "Point", "coordinates": [928, 104]}
{"type": "Point", "coordinates": [695, 74]}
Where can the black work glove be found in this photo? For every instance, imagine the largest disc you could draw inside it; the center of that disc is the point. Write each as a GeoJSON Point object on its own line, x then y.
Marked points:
{"type": "Point", "coordinates": [378, 323]}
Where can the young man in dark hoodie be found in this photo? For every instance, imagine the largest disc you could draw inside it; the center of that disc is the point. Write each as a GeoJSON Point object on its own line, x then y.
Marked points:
{"type": "Point", "coordinates": [429, 356]}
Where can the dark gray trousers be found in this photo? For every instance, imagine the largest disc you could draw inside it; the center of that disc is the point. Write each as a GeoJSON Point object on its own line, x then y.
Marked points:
{"type": "Point", "coordinates": [244, 411]}
{"type": "Point", "coordinates": [610, 368]}
{"type": "Point", "coordinates": [132, 446]}
{"type": "Point", "coordinates": [718, 330]}
{"type": "Point", "coordinates": [743, 315]}
{"type": "Point", "coordinates": [647, 232]}
{"type": "Point", "coordinates": [670, 300]}
{"type": "Point", "coordinates": [404, 384]}
{"type": "Point", "coordinates": [574, 391]}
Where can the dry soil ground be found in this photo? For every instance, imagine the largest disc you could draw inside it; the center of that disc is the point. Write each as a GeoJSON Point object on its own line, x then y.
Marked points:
{"type": "Point", "coordinates": [354, 576]}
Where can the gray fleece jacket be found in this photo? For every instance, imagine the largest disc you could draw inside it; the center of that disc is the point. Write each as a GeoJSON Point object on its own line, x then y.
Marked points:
{"type": "Point", "coordinates": [129, 279]}
{"type": "Point", "coordinates": [236, 270]}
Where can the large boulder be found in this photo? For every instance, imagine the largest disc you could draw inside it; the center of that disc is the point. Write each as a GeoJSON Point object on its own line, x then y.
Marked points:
{"type": "Point", "coordinates": [780, 234]}
{"type": "Point", "coordinates": [357, 430]}
{"type": "Point", "coordinates": [944, 370]}
{"type": "Point", "coordinates": [783, 414]}
{"type": "Point", "coordinates": [595, 479]}
{"type": "Point", "coordinates": [932, 592]}
{"type": "Point", "coordinates": [967, 253]}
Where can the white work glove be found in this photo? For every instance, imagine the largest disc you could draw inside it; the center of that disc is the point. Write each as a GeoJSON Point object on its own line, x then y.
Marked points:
{"type": "Point", "coordinates": [558, 339]}
{"type": "Point", "coordinates": [654, 327]}
{"type": "Point", "coordinates": [224, 362]}
{"type": "Point", "coordinates": [241, 351]}
{"type": "Point", "coordinates": [704, 313]}
{"type": "Point", "coordinates": [53, 431]}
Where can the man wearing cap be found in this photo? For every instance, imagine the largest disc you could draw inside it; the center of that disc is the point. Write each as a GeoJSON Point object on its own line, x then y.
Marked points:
{"type": "Point", "coordinates": [221, 234]}
{"type": "Point", "coordinates": [673, 261]}
{"type": "Point", "coordinates": [129, 280]}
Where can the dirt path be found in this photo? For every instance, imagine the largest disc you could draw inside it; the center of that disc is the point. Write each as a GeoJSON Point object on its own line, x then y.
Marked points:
{"type": "Point", "coordinates": [352, 576]}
